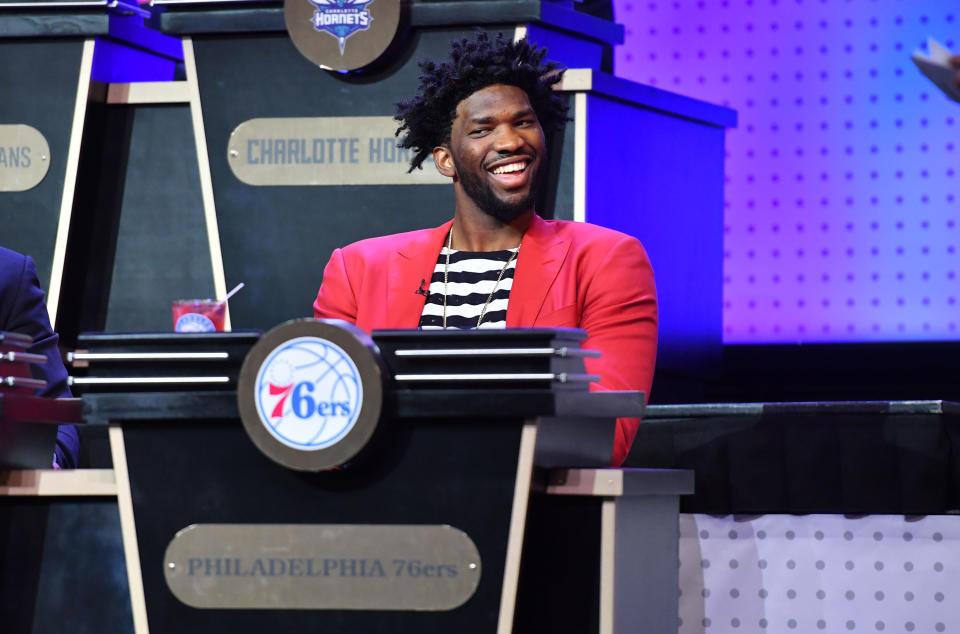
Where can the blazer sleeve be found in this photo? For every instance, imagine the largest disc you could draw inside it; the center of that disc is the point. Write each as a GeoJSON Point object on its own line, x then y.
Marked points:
{"type": "Point", "coordinates": [336, 299]}
{"type": "Point", "coordinates": [620, 316]}
{"type": "Point", "coordinates": [28, 315]}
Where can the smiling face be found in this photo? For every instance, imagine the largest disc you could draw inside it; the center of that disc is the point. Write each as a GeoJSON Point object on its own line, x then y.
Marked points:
{"type": "Point", "coordinates": [495, 153]}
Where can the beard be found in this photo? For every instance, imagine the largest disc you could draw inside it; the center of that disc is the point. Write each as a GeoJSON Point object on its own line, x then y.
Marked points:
{"type": "Point", "coordinates": [482, 194]}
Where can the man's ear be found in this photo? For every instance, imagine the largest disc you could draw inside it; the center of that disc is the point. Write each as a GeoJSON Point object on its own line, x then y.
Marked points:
{"type": "Point", "coordinates": [443, 159]}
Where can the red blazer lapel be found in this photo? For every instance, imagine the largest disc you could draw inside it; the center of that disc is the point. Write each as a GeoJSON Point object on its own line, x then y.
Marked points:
{"type": "Point", "coordinates": [410, 264]}
{"type": "Point", "coordinates": [542, 253]}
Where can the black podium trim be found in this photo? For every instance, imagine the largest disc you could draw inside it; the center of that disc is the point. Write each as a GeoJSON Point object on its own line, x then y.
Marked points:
{"type": "Point", "coordinates": [517, 402]}
{"type": "Point", "coordinates": [204, 18]}
{"type": "Point", "coordinates": [100, 409]}
{"type": "Point", "coordinates": [524, 403]}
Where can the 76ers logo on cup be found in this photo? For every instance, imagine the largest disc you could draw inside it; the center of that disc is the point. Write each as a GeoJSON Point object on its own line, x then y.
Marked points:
{"type": "Point", "coordinates": [308, 393]}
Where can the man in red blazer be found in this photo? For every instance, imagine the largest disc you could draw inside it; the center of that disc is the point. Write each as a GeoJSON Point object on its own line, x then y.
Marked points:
{"type": "Point", "coordinates": [557, 273]}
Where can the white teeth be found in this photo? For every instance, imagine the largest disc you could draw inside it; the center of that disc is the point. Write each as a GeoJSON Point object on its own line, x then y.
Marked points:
{"type": "Point", "coordinates": [512, 167]}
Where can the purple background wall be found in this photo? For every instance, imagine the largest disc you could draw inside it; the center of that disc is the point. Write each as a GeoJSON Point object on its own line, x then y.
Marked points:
{"type": "Point", "coordinates": [841, 210]}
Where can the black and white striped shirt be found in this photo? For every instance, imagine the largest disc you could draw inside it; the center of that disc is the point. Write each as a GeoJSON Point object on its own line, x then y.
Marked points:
{"type": "Point", "coordinates": [470, 278]}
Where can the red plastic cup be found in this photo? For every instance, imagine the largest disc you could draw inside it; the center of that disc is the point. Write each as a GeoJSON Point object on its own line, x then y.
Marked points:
{"type": "Point", "coordinates": [198, 315]}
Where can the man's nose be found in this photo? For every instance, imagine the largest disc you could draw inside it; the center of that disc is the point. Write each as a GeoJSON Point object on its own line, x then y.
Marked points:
{"type": "Point", "coordinates": [508, 139]}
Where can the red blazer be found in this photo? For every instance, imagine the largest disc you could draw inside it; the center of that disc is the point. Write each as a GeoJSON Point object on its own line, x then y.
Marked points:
{"type": "Point", "coordinates": [568, 274]}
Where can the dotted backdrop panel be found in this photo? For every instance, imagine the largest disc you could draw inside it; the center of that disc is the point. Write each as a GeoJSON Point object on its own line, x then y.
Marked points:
{"type": "Point", "coordinates": [842, 203]}
{"type": "Point", "coordinates": [819, 573]}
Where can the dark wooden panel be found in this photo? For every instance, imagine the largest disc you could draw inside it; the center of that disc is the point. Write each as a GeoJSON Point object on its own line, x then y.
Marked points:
{"type": "Point", "coordinates": [63, 567]}
{"type": "Point", "coordinates": [419, 473]}
{"type": "Point", "coordinates": [162, 249]}
{"type": "Point", "coordinates": [38, 80]}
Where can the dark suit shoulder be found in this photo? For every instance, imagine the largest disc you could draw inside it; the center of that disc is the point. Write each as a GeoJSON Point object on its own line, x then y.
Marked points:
{"type": "Point", "coordinates": [10, 256]}
{"type": "Point", "coordinates": [13, 267]}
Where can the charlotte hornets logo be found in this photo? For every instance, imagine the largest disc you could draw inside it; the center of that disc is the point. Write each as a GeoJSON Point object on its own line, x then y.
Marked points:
{"type": "Point", "coordinates": [341, 18]}
{"type": "Point", "coordinates": [308, 393]}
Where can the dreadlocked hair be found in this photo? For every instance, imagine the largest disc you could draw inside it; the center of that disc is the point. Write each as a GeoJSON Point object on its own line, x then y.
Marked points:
{"type": "Point", "coordinates": [474, 65]}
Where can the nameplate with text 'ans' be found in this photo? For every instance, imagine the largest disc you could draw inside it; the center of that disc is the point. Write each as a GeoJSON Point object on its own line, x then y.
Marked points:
{"type": "Point", "coordinates": [322, 566]}
{"type": "Point", "coordinates": [324, 151]}
{"type": "Point", "coordinates": [24, 157]}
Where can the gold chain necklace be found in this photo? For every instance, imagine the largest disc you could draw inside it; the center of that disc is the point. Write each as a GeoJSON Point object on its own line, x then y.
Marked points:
{"type": "Point", "coordinates": [446, 270]}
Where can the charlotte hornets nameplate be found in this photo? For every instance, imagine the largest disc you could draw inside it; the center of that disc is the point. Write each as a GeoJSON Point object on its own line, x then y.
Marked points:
{"type": "Point", "coordinates": [323, 151]}
{"type": "Point", "coordinates": [322, 566]}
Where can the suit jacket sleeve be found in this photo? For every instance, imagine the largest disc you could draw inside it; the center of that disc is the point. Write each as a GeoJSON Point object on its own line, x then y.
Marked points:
{"type": "Point", "coordinates": [336, 298]}
{"type": "Point", "coordinates": [620, 316]}
{"type": "Point", "coordinates": [26, 313]}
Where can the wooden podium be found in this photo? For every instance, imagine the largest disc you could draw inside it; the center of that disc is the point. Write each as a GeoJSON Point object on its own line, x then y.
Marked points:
{"type": "Point", "coordinates": [457, 452]}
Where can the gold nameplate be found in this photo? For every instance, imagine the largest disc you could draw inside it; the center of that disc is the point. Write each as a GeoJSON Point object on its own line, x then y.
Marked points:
{"type": "Point", "coordinates": [24, 157]}
{"type": "Point", "coordinates": [322, 566]}
{"type": "Point", "coordinates": [324, 151]}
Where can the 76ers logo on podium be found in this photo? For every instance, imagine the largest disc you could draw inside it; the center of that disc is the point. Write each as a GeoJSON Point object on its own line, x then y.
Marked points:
{"type": "Point", "coordinates": [308, 393]}
{"type": "Point", "coordinates": [341, 18]}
